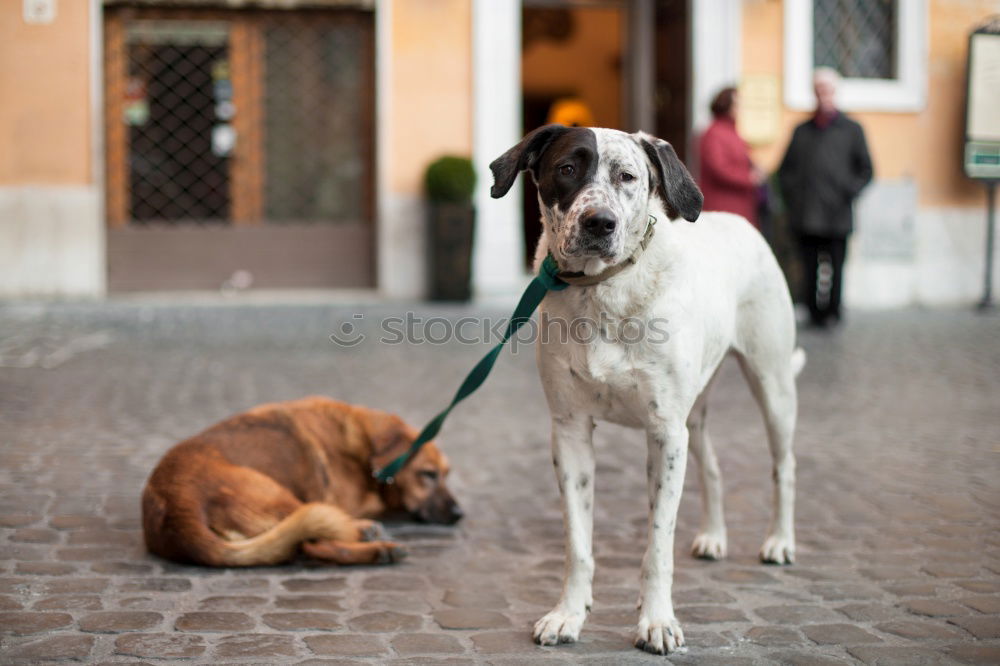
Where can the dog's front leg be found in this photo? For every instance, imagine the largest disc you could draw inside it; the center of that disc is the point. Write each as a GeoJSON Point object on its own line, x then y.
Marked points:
{"type": "Point", "coordinates": [658, 631]}
{"type": "Point", "coordinates": [573, 458]}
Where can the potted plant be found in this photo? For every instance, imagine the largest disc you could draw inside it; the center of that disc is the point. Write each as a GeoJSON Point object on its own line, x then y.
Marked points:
{"type": "Point", "coordinates": [450, 182]}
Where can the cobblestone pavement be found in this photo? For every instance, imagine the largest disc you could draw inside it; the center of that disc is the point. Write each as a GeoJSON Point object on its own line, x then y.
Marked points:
{"type": "Point", "coordinates": [898, 513]}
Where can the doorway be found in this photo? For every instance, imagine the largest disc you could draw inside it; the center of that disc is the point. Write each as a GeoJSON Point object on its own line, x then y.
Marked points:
{"type": "Point", "coordinates": [578, 67]}
{"type": "Point", "coordinates": [239, 148]}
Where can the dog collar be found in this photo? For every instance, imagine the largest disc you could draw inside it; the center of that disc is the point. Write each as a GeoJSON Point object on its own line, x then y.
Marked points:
{"type": "Point", "coordinates": [580, 279]}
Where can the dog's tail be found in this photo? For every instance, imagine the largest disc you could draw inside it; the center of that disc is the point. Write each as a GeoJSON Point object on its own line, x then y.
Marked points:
{"type": "Point", "coordinates": [186, 536]}
{"type": "Point", "coordinates": [314, 520]}
{"type": "Point", "coordinates": [798, 360]}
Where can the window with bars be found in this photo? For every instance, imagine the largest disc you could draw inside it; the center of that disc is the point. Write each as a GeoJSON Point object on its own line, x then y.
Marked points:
{"type": "Point", "coordinates": [856, 37]}
{"type": "Point", "coordinates": [878, 46]}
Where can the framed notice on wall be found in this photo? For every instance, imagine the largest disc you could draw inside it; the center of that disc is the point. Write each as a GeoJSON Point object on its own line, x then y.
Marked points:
{"type": "Point", "coordinates": [982, 120]}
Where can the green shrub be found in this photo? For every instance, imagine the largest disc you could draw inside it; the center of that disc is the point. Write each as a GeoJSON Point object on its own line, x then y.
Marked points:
{"type": "Point", "coordinates": [450, 179]}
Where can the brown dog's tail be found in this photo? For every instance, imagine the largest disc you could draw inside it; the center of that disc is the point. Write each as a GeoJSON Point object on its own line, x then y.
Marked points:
{"type": "Point", "coordinates": [186, 536]}
{"type": "Point", "coordinates": [279, 543]}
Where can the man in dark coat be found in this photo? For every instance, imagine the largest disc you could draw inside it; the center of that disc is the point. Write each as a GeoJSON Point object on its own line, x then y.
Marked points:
{"type": "Point", "coordinates": [825, 168]}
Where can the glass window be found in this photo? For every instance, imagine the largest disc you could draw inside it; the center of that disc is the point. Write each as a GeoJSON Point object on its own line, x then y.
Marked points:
{"type": "Point", "coordinates": [856, 37]}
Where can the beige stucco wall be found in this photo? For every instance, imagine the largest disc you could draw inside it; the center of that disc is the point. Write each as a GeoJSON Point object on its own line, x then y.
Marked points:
{"type": "Point", "coordinates": [424, 99]}
{"type": "Point", "coordinates": [924, 146]}
{"type": "Point", "coordinates": [431, 93]}
{"type": "Point", "coordinates": [45, 123]}
{"type": "Point", "coordinates": [51, 231]}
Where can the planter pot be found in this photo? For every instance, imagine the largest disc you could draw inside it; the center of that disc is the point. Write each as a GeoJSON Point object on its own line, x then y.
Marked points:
{"type": "Point", "coordinates": [451, 228]}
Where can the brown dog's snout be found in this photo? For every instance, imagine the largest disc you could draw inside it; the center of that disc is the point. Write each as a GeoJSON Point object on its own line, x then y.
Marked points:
{"type": "Point", "coordinates": [600, 222]}
{"type": "Point", "coordinates": [442, 508]}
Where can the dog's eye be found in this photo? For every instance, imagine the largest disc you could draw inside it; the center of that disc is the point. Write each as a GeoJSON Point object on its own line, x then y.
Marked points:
{"type": "Point", "coordinates": [626, 177]}
{"type": "Point", "coordinates": [429, 474]}
{"type": "Point", "coordinates": [567, 170]}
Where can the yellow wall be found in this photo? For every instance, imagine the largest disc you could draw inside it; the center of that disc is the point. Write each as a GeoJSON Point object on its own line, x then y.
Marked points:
{"type": "Point", "coordinates": [45, 135]}
{"type": "Point", "coordinates": [431, 89]}
{"type": "Point", "coordinates": [926, 146]}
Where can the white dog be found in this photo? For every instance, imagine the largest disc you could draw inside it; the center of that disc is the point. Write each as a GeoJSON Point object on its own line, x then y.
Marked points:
{"type": "Point", "coordinates": [710, 289]}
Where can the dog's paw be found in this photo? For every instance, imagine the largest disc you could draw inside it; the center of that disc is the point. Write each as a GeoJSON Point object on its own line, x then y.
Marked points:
{"type": "Point", "coordinates": [559, 626]}
{"type": "Point", "coordinates": [709, 546]}
{"type": "Point", "coordinates": [370, 530]}
{"type": "Point", "coordinates": [390, 552]}
{"type": "Point", "coordinates": [778, 550]}
{"type": "Point", "coordinates": [660, 636]}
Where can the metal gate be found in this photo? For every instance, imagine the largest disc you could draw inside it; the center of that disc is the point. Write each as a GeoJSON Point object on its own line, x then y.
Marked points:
{"type": "Point", "coordinates": [239, 143]}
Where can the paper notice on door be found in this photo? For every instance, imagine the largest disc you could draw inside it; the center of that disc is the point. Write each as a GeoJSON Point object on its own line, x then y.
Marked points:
{"type": "Point", "coordinates": [223, 140]}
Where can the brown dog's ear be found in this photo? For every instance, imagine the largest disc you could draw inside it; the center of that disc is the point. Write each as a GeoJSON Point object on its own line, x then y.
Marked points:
{"type": "Point", "coordinates": [522, 157]}
{"type": "Point", "coordinates": [674, 183]}
{"type": "Point", "coordinates": [388, 435]}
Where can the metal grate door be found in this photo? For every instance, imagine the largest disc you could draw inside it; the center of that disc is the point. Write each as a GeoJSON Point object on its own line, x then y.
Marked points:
{"type": "Point", "coordinates": [239, 119]}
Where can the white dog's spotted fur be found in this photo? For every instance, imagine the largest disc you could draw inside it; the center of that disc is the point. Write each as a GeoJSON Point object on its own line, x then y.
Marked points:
{"type": "Point", "coordinates": [718, 287]}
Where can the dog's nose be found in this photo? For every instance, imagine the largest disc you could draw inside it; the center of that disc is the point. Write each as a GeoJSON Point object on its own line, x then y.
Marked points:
{"type": "Point", "coordinates": [456, 513]}
{"type": "Point", "coordinates": [599, 223]}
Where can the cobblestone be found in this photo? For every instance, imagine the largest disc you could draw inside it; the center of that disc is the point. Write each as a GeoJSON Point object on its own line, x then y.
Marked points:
{"type": "Point", "coordinates": [213, 621]}
{"type": "Point", "coordinates": [838, 634]}
{"type": "Point", "coordinates": [257, 646]}
{"type": "Point", "coordinates": [385, 622]}
{"type": "Point", "coordinates": [980, 627]}
{"type": "Point", "coordinates": [57, 647]}
{"type": "Point", "coordinates": [894, 656]}
{"type": "Point", "coordinates": [898, 511]}
{"type": "Point", "coordinates": [976, 654]}
{"type": "Point", "coordinates": [410, 644]}
{"type": "Point", "coordinates": [119, 621]}
{"type": "Point", "coordinates": [301, 621]}
{"type": "Point", "coordinates": [464, 618]}
{"type": "Point", "coordinates": [934, 608]}
{"type": "Point", "coordinates": [160, 646]}
{"type": "Point", "coordinates": [988, 605]}
{"type": "Point", "coordinates": [32, 623]}
{"type": "Point", "coordinates": [350, 645]}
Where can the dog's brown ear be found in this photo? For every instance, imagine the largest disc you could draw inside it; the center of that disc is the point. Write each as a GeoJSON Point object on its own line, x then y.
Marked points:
{"type": "Point", "coordinates": [389, 436]}
{"type": "Point", "coordinates": [522, 157]}
{"type": "Point", "coordinates": [673, 181]}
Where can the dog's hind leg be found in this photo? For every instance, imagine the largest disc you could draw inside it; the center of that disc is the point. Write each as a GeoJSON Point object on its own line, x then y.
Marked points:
{"type": "Point", "coordinates": [710, 543]}
{"type": "Point", "coordinates": [354, 552]}
{"type": "Point", "coordinates": [774, 388]}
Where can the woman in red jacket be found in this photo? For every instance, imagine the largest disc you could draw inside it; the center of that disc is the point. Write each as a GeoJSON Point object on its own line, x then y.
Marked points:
{"type": "Point", "coordinates": [728, 179]}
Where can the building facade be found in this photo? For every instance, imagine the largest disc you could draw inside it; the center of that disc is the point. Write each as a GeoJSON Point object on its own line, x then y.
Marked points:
{"type": "Point", "coordinates": [194, 144]}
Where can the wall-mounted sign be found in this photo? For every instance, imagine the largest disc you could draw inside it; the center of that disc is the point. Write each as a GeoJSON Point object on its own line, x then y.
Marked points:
{"type": "Point", "coordinates": [982, 130]}
{"type": "Point", "coordinates": [758, 110]}
{"type": "Point", "coordinates": [39, 12]}
{"type": "Point", "coordinates": [982, 120]}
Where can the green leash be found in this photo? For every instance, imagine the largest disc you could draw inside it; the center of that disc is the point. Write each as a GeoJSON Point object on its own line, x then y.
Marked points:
{"type": "Point", "coordinates": [547, 280]}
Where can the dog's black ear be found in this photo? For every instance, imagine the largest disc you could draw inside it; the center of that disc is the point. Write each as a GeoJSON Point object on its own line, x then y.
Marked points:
{"type": "Point", "coordinates": [522, 157]}
{"type": "Point", "coordinates": [675, 184]}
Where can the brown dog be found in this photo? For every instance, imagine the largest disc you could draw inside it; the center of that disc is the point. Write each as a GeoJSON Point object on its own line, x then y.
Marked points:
{"type": "Point", "coordinates": [251, 489]}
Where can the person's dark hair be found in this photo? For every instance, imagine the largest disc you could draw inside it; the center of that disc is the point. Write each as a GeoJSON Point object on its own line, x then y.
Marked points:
{"type": "Point", "coordinates": [722, 103]}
